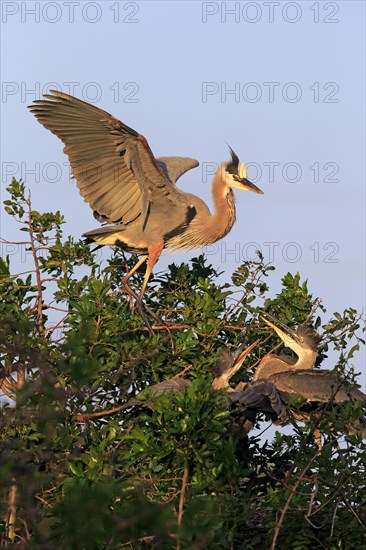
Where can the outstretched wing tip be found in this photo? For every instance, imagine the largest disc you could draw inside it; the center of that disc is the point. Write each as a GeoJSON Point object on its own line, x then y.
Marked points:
{"type": "Point", "coordinates": [174, 167]}
{"type": "Point", "coordinates": [112, 163]}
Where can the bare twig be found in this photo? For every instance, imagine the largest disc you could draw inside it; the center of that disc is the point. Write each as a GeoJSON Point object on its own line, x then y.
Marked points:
{"type": "Point", "coordinates": [311, 502]}
{"type": "Point", "coordinates": [21, 377]}
{"type": "Point", "coordinates": [13, 491]}
{"type": "Point", "coordinates": [2, 240]}
{"type": "Point", "coordinates": [315, 307]}
{"type": "Point", "coordinates": [182, 372]}
{"type": "Point", "coordinates": [351, 509]}
{"type": "Point", "coordinates": [8, 381]}
{"type": "Point", "coordinates": [182, 494]}
{"type": "Point", "coordinates": [58, 309]}
{"type": "Point", "coordinates": [148, 538]}
{"type": "Point", "coordinates": [85, 416]}
{"type": "Point", "coordinates": [334, 515]}
{"type": "Point", "coordinates": [8, 394]}
{"type": "Point", "coordinates": [18, 274]}
{"type": "Point", "coordinates": [154, 327]}
{"type": "Point", "coordinates": [44, 501]}
{"type": "Point", "coordinates": [295, 487]}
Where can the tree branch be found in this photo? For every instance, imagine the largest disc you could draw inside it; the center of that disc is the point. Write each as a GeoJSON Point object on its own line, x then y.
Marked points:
{"type": "Point", "coordinates": [12, 512]}
{"type": "Point", "coordinates": [37, 270]}
{"type": "Point", "coordinates": [182, 495]}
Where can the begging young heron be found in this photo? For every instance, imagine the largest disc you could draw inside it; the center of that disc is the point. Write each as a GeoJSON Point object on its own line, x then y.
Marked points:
{"type": "Point", "coordinates": [128, 188]}
{"type": "Point", "coordinates": [254, 398]}
{"type": "Point", "coordinates": [301, 341]}
{"type": "Point", "coordinates": [227, 365]}
{"type": "Point", "coordinates": [295, 379]}
{"type": "Point", "coordinates": [283, 382]}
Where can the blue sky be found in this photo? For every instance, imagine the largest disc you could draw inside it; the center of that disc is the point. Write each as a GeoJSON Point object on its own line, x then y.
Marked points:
{"type": "Point", "coordinates": [281, 82]}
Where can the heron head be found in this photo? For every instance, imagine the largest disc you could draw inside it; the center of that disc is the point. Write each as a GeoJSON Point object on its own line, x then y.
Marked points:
{"type": "Point", "coordinates": [236, 175]}
{"type": "Point", "coordinates": [228, 363]}
{"type": "Point", "coordinates": [300, 340]}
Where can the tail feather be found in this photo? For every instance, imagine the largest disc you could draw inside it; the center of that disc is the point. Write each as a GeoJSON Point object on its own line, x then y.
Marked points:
{"type": "Point", "coordinates": [88, 240]}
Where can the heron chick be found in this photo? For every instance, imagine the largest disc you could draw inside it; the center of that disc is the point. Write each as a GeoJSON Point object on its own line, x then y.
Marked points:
{"type": "Point", "coordinates": [303, 389]}
{"type": "Point", "coordinates": [301, 341]}
{"type": "Point", "coordinates": [227, 365]}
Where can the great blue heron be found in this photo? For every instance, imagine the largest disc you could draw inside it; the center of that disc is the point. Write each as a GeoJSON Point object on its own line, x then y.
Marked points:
{"type": "Point", "coordinates": [125, 185]}
{"type": "Point", "coordinates": [261, 395]}
{"type": "Point", "coordinates": [283, 382]}
{"type": "Point", "coordinates": [301, 341]}
{"type": "Point", "coordinates": [254, 398]}
{"type": "Point", "coordinates": [299, 386]}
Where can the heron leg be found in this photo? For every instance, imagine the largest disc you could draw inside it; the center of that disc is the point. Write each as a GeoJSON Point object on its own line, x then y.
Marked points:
{"type": "Point", "coordinates": [134, 269]}
{"type": "Point", "coordinates": [128, 275]}
{"type": "Point", "coordinates": [133, 296]}
{"type": "Point", "coordinates": [154, 255]}
{"type": "Point", "coordinates": [139, 305]}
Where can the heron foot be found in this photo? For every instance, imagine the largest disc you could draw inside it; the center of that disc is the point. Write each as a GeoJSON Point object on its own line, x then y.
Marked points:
{"type": "Point", "coordinates": [142, 308]}
{"type": "Point", "coordinates": [135, 300]}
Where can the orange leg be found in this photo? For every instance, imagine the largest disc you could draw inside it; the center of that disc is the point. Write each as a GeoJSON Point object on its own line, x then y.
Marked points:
{"type": "Point", "coordinates": [154, 255]}
{"type": "Point", "coordinates": [128, 275]}
{"type": "Point", "coordinates": [134, 269]}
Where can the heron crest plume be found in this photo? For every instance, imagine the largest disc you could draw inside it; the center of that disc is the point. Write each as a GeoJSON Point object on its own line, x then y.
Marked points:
{"type": "Point", "coordinates": [235, 167]}
{"type": "Point", "coordinates": [224, 362]}
{"type": "Point", "coordinates": [309, 337]}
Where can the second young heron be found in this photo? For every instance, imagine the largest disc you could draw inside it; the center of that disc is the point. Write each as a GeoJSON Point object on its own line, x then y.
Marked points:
{"type": "Point", "coordinates": [227, 365]}
{"type": "Point", "coordinates": [134, 192]}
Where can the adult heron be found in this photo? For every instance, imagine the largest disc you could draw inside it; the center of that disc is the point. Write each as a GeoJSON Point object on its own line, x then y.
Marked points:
{"type": "Point", "coordinates": [134, 192]}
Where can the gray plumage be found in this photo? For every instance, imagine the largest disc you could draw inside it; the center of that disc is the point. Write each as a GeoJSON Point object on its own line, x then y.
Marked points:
{"type": "Point", "coordinates": [315, 386]}
{"type": "Point", "coordinates": [125, 185]}
{"type": "Point", "coordinates": [261, 397]}
{"type": "Point", "coordinates": [294, 379]}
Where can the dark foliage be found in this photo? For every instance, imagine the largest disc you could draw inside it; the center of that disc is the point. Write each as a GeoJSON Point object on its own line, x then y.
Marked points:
{"type": "Point", "coordinates": [176, 473]}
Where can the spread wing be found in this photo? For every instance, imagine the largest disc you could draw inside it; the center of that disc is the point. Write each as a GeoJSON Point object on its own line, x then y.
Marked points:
{"type": "Point", "coordinates": [113, 165]}
{"type": "Point", "coordinates": [261, 397]}
{"type": "Point", "coordinates": [315, 386]}
{"type": "Point", "coordinates": [174, 167]}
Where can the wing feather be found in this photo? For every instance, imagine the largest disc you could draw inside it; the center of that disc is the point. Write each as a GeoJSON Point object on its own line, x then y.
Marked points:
{"type": "Point", "coordinates": [315, 385]}
{"type": "Point", "coordinates": [113, 165]}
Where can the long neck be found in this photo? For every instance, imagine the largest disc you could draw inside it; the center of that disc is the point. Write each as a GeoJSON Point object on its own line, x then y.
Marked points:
{"type": "Point", "coordinates": [224, 216]}
{"type": "Point", "coordinates": [306, 359]}
{"type": "Point", "coordinates": [273, 364]}
{"type": "Point", "coordinates": [207, 228]}
{"type": "Point", "coordinates": [220, 382]}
